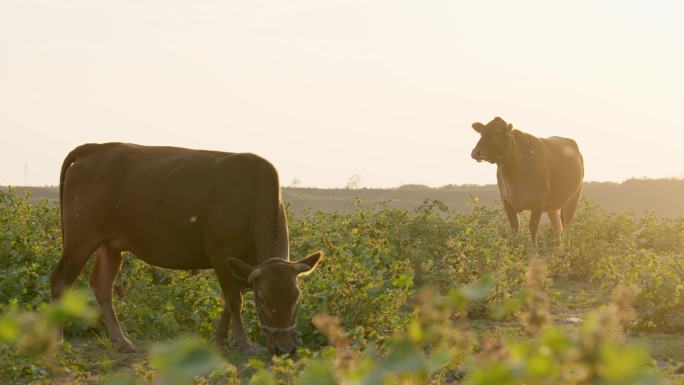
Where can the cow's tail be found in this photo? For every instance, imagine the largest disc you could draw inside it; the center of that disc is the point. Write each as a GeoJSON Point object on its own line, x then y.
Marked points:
{"type": "Point", "coordinates": [270, 222]}
{"type": "Point", "coordinates": [568, 212]}
{"type": "Point", "coordinates": [68, 161]}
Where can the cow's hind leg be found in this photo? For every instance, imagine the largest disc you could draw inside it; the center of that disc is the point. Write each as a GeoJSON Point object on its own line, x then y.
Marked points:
{"type": "Point", "coordinates": [568, 212]}
{"type": "Point", "coordinates": [535, 216]}
{"type": "Point", "coordinates": [556, 223]}
{"type": "Point", "coordinates": [107, 265]}
{"type": "Point", "coordinates": [74, 257]}
{"type": "Point", "coordinates": [69, 267]}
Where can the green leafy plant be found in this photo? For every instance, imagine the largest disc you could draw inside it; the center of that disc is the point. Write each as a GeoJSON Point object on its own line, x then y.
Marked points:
{"type": "Point", "coordinates": [395, 301]}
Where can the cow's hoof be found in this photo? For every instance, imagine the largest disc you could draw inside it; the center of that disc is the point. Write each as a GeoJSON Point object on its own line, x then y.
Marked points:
{"type": "Point", "coordinates": [127, 347]}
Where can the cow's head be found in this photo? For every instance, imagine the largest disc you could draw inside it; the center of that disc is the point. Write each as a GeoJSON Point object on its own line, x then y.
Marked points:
{"type": "Point", "coordinates": [494, 139]}
{"type": "Point", "coordinates": [276, 294]}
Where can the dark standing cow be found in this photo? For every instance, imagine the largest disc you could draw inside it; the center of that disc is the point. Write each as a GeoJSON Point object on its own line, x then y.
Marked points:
{"type": "Point", "coordinates": [536, 174]}
{"type": "Point", "coordinates": [181, 209]}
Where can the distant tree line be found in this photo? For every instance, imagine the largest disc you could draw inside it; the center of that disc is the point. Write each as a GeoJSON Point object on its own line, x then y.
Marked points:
{"type": "Point", "coordinates": [664, 197]}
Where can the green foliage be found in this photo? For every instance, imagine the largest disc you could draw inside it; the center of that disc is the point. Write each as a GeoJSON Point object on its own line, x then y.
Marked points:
{"type": "Point", "coordinates": [159, 303]}
{"type": "Point", "coordinates": [660, 281]}
{"type": "Point", "coordinates": [642, 251]}
{"type": "Point", "coordinates": [434, 346]}
{"type": "Point", "coordinates": [29, 339]}
{"type": "Point", "coordinates": [30, 243]}
{"type": "Point", "coordinates": [558, 358]}
{"type": "Point", "coordinates": [398, 287]}
{"type": "Point", "coordinates": [378, 258]}
{"type": "Point", "coordinates": [596, 233]}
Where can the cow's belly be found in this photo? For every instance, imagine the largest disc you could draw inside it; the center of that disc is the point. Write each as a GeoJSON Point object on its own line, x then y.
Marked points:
{"type": "Point", "coordinates": [558, 201]}
{"type": "Point", "coordinates": [161, 232]}
{"type": "Point", "coordinates": [519, 198]}
{"type": "Point", "coordinates": [177, 260]}
{"type": "Point", "coordinates": [168, 254]}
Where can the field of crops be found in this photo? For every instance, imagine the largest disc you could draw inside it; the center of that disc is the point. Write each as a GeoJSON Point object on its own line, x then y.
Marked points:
{"type": "Point", "coordinates": [423, 296]}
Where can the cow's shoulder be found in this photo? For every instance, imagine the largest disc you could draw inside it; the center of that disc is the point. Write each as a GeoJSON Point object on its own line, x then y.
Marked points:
{"type": "Point", "coordinates": [244, 159]}
{"type": "Point", "coordinates": [561, 140]}
{"type": "Point", "coordinates": [244, 165]}
{"type": "Point", "coordinates": [525, 141]}
{"type": "Point", "coordinates": [528, 148]}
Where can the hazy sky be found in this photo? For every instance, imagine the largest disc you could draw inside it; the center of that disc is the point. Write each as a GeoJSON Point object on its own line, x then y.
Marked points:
{"type": "Point", "coordinates": [326, 89]}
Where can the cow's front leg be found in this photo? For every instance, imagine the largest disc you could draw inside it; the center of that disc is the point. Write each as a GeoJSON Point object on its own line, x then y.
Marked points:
{"type": "Point", "coordinates": [239, 334]}
{"type": "Point", "coordinates": [512, 216]}
{"type": "Point", "coordinates": [221, 333]}
{"type": "Point", "coordinates": [232, 312]}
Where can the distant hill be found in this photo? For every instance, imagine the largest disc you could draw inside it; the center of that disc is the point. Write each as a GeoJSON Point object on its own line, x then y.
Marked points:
{"type": "Point", "coordinates": [665, 197]}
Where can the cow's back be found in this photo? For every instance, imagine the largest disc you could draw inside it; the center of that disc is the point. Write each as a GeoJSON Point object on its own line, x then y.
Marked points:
{"type": "Point", "coordinates": [565, 167]}
{"type": "Point", "coordinates": [153, 201]}
{"type": "Point", "coordinates": [540, 173]}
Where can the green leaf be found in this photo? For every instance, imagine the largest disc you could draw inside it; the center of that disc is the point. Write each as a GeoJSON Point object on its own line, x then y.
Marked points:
{"type": "Point", "coordinates": [555, 338]}
{"type": "Point", "coordinates": [541, 366]}
{"type": "Point", "coordinates": [9, 328]}
{"type": "Point", "coordinates": [494, 374]}
{"type": "Point", "coordinates": [415, 331]}
{"type": "Point", "coordinates": [179, 361]}
{"type": "Point", "coordinates": [72, 305]}
{"type": "Point", "coordinates": [404, 357]}
{"type": "Point", "coordinates": [263, 377]}
{"type": "Point", "coordinates": [317, 372]}
{"type": "Point", "coordinates": [255, 364]}
{"type": "Point", "coordinates": [121, 379]}
{"type": "Point", "coordinates": [625, 365]}
{"type": "Point", "coordinates": [478, 290]}
{"type": "Point", "coordinates": [436, 361]}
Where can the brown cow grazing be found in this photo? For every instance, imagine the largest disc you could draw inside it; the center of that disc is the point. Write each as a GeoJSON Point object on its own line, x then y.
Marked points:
{"type": "Point", "coordinates": [536, 174]}
{"type": "Point", "coordinates": [181, 209]}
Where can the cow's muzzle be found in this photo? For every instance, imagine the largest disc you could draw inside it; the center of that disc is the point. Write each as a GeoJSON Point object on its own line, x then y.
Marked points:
{"type": "Point", "coordinates": [284, 347]}
{"type": "Point", "coordinates": [480, 156]}
{"type": "Point", "coordinates": [281, 344]}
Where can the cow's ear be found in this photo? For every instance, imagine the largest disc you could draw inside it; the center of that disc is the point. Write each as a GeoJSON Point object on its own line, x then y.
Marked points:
{"type": "Point", "coordinates": [509, 128]}
{"type": "Point", "coordinates": [307, 264]}
{"type": "Point", "coordinates": [240, 270]}
{"type": "Point", "coordinates": [477, 126]}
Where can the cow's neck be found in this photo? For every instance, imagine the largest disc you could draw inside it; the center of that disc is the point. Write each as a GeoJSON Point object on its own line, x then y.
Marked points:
{"type": "Point", "coordinates": [511, 163]}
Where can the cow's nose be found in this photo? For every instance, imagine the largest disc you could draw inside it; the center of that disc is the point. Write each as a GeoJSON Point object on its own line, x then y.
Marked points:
{"type": "Point", "coordinates": [476, 154]}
